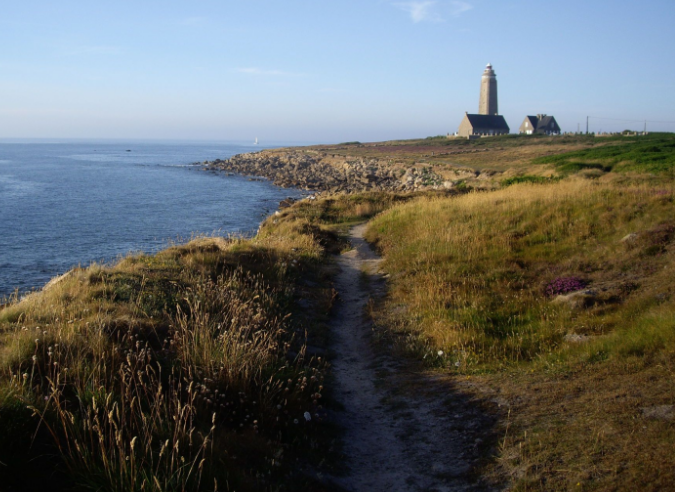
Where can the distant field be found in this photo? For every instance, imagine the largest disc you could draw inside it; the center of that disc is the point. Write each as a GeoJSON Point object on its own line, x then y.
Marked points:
{"type": "Point", "coordinates": [520, 153]}
{"type": "Point", "coordinates": [498, 153]}
{"type": "Point", "coordinates": [652, 154]}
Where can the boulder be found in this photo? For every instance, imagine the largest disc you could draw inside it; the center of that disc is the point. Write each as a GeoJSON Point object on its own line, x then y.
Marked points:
{"type": "Point", "coordinates": [576, 338]}
{"type": "Point", "coordinates": [659, 412]}
{"type": "Point", "coordinates": [629, 238]}
{"type": "Point", "coordinates": [576, 300]}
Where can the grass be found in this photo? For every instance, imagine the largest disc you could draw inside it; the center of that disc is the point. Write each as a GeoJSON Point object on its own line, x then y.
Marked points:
{"type": "Point", "coordinates": [192, 369]}
{"type": "Point", "coordinates": [525, 178]}
{"type": "Point", "coordinates": [499, 153]}
{"type": "Point", "coordinates": [474, 277]}
{"type": "Point", "coordinates": [184, 370]}
{"type": "Point", "coordinates": [654, 153]}
{"type": "Point", "coordinates": [343, 210]}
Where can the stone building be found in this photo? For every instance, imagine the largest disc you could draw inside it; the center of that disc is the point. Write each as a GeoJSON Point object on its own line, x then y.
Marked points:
{"type": "Point", "coordinates": [540, 124]}
{"type": "Point", "coordinates": [487, 121]}
{"type": "Point", "coordinates": [483, 125]}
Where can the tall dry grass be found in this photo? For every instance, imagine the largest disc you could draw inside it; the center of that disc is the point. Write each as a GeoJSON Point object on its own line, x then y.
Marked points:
{"type": "Point", "coordinates": [163, 372]}
{"type": "Point", "coordinates": [474, 270]}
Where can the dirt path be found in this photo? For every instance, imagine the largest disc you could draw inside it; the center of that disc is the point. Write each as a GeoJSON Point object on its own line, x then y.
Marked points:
{"type": "Point", "coordinates": [402, 431]}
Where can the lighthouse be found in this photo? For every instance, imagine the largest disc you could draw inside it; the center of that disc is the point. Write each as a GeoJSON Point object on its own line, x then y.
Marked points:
{"type": "Point", "coordinates": [488, 92]}
{"type": "Point", "coordinates": [487, 122]}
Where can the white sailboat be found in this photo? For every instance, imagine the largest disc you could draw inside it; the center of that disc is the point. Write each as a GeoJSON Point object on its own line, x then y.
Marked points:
{"type": "Point", "coordinates": [256, 141]}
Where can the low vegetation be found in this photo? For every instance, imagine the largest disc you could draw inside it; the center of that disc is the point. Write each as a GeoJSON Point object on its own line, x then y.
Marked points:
{"type": "Point", "coordinates": [556, 301]}
{"type": "Point", "coordinates": [201, 368]}
{"type": "Point", "coordinates": [526, 178]}
{"type": "Point", "coordinates": [500, 153]}
{"type": "Point", "coordinates": [184, 370]}
{"type": "Point", "coordinates": [642, 154]}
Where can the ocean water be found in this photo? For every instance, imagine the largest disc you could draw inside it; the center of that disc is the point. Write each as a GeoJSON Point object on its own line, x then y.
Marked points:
{"type": "Point", "coordinates": [68, 204]}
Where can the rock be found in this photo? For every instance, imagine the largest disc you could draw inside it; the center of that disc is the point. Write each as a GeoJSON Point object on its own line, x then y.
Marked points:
{"type": "Point", "coordinates": [576, 300]}
{"type": "Point", "coordinates": [629, 238]}
{"type": "Point", "coordinates": [660, 412]}
{"type": "Point", "coordinates": [317, 171]}
{"type": "Point", "coordinates": [57, 280]}
{"type": "Point", "coordinates": [575, 338]}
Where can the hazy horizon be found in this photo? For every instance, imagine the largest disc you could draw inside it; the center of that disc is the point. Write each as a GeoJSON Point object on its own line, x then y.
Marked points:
{"type": "Point", "coordinates": [327, 72]}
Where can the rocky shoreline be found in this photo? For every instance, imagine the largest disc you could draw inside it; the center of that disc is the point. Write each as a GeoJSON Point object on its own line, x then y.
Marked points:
{"type": "Point", "coordinates": [324, 172]}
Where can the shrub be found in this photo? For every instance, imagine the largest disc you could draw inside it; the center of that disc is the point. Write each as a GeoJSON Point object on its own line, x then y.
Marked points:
{"type": "Point", "coordinates": [563, 285]}
{"type": "Point", "coordinates": [527, 178]}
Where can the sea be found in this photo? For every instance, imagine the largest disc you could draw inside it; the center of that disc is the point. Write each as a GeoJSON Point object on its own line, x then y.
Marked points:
{"type": "Point", "coordinates": [64, 204]}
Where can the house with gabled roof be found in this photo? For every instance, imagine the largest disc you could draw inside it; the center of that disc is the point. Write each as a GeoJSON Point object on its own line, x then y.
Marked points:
{"type": "Point", "coordinates": [540, 124]}
{"type": "Point", "coordinates": [483, 125]}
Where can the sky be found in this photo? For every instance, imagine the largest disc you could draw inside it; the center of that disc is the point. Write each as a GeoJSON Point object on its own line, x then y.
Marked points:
{"type": "Point", "coordinates": [328, 70]}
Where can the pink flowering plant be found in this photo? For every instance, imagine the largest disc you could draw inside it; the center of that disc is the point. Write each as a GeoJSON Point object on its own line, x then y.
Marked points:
{"type": "Point", "coordinates": [563, 285]}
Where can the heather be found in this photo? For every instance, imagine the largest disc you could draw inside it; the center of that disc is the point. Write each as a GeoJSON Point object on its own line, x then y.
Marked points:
{"type": "Point", "coordinates": [563, 285]}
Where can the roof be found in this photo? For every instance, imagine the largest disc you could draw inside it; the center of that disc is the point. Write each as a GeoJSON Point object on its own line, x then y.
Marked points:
{"type": "Point", "coordinates": [494, 121]}
{"type": "Point", "coordinates": [546, 122]}
{"type": "Point", "coordinates": [543, 122]}
{"type": "Point", "coordinates": [533, 121]}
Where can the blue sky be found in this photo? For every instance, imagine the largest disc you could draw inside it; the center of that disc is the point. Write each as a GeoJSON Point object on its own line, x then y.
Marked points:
{"type": "Point", "coordinates": [327, 71]}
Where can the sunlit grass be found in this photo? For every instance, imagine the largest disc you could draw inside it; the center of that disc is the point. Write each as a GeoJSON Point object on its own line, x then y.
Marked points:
{"type": "Point", "coordinates": [474, 269]}
{"type": "Point", "coordinates": [483, 286]}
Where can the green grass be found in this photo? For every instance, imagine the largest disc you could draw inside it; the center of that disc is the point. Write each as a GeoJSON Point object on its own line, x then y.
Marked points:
{"type": "Point", "coordinates": [511, 140]}
{"type": "Point", "coordinates": [526, 178]}
{"type": "Point", "coordinates": [651, 154]}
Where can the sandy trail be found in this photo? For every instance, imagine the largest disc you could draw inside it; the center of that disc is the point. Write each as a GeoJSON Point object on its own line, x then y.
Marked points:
{"type": "Point", "coordinates": [402, 431]}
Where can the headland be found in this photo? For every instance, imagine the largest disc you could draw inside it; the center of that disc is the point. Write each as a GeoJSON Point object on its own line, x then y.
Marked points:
{"type": "Point", "coordinates": [525, 295]}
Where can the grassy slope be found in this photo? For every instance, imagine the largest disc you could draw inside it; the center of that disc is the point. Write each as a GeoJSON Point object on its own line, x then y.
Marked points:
{"type": "Point", "coordinates": [473, 280]}
{"type": "Point", "coordinates": [175, 371]}
{"type": "Point", "coordinates": [652, 154]}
